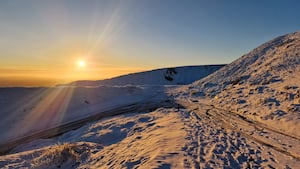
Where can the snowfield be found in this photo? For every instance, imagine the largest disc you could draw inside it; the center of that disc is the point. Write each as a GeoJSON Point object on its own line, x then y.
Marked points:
{"type": "Point", "coordinates": [244, 115]}
{"type": "Point", "coordinates": [28, 110]}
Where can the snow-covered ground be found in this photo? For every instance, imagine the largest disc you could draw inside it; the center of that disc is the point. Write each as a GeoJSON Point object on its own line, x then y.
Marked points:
{"type": "Point", "coordinates": [27, 110]}
{"type": "Point", "coordinates": [245, 115]}
{"type": "Point", "coordinates": [165, 138]}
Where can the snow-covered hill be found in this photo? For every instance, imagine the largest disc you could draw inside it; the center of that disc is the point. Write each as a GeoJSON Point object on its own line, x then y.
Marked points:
{"type": "Point", "coordinates": [263, 84]}
{"type": "Point", "coordinates": [245, 115]}
{"type": "Point", "coordinates": [167, 76]}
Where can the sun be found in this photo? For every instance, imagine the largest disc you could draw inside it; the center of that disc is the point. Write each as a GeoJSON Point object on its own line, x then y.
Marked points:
{"type": "Point", "coordinates": [81, 63]}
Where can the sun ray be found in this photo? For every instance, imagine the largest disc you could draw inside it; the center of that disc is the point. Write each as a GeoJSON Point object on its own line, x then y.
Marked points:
{"type": "Point", "coordinates": [48, 111]}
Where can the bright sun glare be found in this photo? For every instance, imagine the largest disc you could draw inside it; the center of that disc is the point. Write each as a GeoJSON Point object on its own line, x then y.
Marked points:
{"type": "Point", "coordinates": [81, 63]}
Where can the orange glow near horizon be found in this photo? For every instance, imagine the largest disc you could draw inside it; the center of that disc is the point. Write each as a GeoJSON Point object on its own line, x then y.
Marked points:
{"type": "Point", "coordinates": [67, 51]}
{"type": "Point", "coordinates": [27, 77]}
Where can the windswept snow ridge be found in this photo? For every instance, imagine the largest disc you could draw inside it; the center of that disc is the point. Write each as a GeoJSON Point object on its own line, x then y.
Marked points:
{"type": "Point", "coordinates": [263, 85]}
{"type": "Point", "coordinates": [168, 76]}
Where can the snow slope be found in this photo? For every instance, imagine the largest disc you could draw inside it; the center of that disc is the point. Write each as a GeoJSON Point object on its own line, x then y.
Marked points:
{"type": "Point", "coordinates": [165, 138]}
{"type": "Point", "coordinates": [263, 85]}
{"type": "Point", "coordinates": [27, 110]}
{"type": "Point", "coordinates": [166, 76]}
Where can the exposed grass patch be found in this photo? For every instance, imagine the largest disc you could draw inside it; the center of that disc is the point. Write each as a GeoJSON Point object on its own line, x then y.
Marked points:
{"type": "Point", "coordinates": [58, 155]}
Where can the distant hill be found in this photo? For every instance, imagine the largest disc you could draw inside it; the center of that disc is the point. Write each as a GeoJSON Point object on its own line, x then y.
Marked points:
{"type": "Point", "coordinates": [166, 76]}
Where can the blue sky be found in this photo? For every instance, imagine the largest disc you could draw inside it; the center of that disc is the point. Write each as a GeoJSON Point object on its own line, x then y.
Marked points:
{"type": "Point", "coordinates": [124, 36]}
{"type": "Point", "coordinates": [212, 31]}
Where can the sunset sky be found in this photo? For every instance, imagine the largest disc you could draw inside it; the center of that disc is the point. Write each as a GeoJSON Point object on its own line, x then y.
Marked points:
{"type": "Point", "coordinates": [45, 42]}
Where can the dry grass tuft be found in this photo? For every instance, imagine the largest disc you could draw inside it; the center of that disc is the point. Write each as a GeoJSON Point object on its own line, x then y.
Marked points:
{"type": "Point", "coordinates": [57, 155]}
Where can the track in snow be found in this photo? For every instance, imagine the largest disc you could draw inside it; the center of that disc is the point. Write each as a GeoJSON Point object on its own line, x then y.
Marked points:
{"type": "Point", "coordinates": [212, 146]}
{"type": "Point", "coordinates": [221, 120]}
